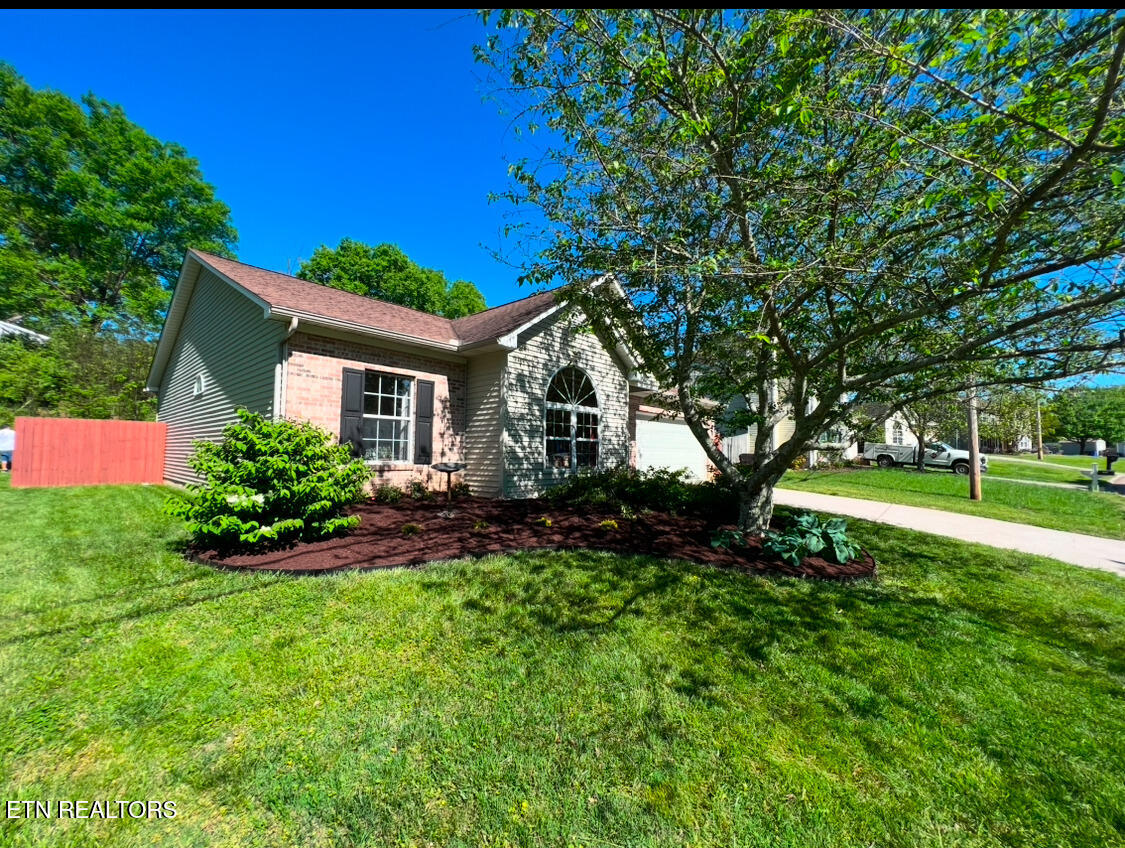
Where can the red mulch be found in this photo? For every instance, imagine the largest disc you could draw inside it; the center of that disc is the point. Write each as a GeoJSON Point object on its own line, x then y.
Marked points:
{"type": "Point", "coordinates": [379, 542]}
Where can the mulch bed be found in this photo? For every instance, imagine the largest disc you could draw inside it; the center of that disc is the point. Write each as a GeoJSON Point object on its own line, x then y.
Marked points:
{"type": "Point", "coordinates": [448, 533]}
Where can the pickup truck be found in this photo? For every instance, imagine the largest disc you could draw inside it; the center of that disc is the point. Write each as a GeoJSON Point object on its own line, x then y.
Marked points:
{"type": "Point", "coordinates": [937, 454]}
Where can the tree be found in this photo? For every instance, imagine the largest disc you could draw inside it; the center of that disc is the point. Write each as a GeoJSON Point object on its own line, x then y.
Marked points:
{"type": "Point", "coordinates": [813, 210]}
{"type": "Point", "coordinates": [929, 417]}
{"type": "Point", "coordinates": [79, 373]}
{"type": "Point", "coordinates": [1085, 414]}
{"type": "Point", "coordinates": [95, 213]}
{"type": "Point", "coordinates": [385, 272]}
{"type": "Point", "coordinates": [463, 298]}
{"type": "Point", "coordinates": [1008, 415]}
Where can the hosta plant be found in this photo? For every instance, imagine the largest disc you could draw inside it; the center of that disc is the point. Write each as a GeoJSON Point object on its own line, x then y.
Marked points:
{"type": "Point", "coordinates": [807, 536]}
{"type": "Point", "coordinates": [268, 482]}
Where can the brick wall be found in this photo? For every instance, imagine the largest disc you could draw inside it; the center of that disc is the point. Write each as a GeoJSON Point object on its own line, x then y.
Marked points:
{"type": "Point", "coordinates": [313, 386]}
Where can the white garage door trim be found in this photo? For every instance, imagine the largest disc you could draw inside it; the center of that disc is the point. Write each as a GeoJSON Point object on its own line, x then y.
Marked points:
{"type": "Point", "coordinates": [669, 444]}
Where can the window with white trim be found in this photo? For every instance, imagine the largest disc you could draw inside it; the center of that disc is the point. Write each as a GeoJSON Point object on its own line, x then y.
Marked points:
{"type": "Point", "coordinates": [571, 416]}
{"type": "Point", "coordinates": [387, 411]}
{"type": "Point", "coordinates": [896, 433]}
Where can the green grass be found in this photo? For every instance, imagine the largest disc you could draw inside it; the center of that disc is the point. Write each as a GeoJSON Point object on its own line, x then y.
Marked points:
{"type": "Point", "coordinates": [1044, 472]}
{"type": "Point", "coordinates": [1075, 510]}
{"type": "Point", "coordinates": [1082, 462]}
{"type": "Point", "coordinates": [969, 697]}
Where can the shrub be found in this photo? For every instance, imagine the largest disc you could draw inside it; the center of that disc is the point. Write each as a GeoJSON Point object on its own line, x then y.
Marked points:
{"type": "Point", "coordinates": [419, 491]}
{"type": "Point", "coordinates": [807, 536]}
{"type": "Point", "coordinates": [411, 529]}
{"type": "Point", "coordinates": [481, 524]}
{"type": "Point", "coordinates": [630, 490]}
{"type": "Point", "coordinates": [728, 539]}
{"type": "Point", "coordinates": [268, 482]}
{"type": "Point", "coordinates": [608, 524]}
{"type": "Point", "coordinates": [461, 489]}
{"type": "Point", "coordinates": [799, 463]}
{"type": "Point", "coordinates": [386, 494]}
{"type": "Point", "coordinates": [543, 521]}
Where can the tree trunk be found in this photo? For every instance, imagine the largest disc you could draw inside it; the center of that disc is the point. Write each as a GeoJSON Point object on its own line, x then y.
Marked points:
{"type": "Point", "coordinates": [755, 509]}
{"type": "Point", "coordinates": [1082, 447]}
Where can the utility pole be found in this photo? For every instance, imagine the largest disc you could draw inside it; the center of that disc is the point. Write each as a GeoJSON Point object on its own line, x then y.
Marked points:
{"type": "Point", "coordinates": [974, 448]}
{"type": "Point", "coordinates": [1038, 430]}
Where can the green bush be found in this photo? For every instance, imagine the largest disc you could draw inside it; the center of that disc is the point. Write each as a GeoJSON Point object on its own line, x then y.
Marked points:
{"type": "Point", "coordinates": [807, 537]}
{"type": "Point", "coordinates": [419, 491]}
{"type": "Point", "coordinates": [386, 494]}
{"type": "Point", "coordinates": [661, 490]}
{"type": "Point", "coordinates": [268, 482]}
{"type": "Point", "coordinates": [461, 489]}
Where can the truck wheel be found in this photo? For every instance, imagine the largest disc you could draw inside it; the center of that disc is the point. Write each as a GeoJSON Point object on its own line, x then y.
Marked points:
{"type": "Point", "coordinates": [961, 468]}
{"type": "Point", "coordinates": [885, 461]}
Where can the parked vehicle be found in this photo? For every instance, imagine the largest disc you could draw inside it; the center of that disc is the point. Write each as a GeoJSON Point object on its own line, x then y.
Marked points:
{"type": "Point", "coordinates": [936, 454]}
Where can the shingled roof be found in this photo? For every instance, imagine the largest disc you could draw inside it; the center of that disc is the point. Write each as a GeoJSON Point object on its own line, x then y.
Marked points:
{"type": "Point", "coordinates": [312, 301]}
{"type": "Point", "coordinates": [501, 320]}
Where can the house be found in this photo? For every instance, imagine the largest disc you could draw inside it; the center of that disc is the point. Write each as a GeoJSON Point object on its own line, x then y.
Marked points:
{"type": "Point", "coordinates": [525, 393]}
{"type": "Point", "coordinates": [886, 426]}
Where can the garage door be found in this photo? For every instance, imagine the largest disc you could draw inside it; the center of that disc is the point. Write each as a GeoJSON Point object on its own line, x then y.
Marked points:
{"type": "Point", "coordinates": [669, 444]}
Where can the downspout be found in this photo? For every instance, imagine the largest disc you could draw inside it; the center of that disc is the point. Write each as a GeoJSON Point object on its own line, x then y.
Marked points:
{"type": "Point", "coordinates": [281, 370]}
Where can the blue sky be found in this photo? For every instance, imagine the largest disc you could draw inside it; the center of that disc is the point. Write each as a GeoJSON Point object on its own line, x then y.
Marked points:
{"type": "Point", "coordinates": [312, 126]}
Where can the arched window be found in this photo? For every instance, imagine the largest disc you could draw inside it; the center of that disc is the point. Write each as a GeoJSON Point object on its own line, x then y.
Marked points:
{"type": "Point", "coordinates": [896, 433]}
{"type": "Point", "coordinates": [571, 416]}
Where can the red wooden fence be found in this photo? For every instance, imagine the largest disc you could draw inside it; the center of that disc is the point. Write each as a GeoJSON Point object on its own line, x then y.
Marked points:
{"type": "Point", "coordinates": [81, 452]}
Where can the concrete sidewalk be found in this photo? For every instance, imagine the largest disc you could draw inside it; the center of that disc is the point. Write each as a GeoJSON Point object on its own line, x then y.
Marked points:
{"type": "Point", "coordinates": [1075, 548]}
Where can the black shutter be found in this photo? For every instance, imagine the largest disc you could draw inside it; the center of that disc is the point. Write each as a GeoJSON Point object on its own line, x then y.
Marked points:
{"type": "Point", "coordinates": [424, 423]}
{"type": "Point", "coordinates": [351, 411]}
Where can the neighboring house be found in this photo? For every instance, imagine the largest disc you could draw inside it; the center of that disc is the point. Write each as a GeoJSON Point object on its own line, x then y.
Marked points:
{"type": "Point", "coordinates": [889, 428]}
{"type": "Point", "coordinates": [7, 328]}
{"type": "Point", "coordinates": [525, 393]}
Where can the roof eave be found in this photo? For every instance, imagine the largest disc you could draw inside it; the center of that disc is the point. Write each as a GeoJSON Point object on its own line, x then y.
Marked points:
{"type": "Point", "coordinates": [450, 346]}
{"type": "Point", "coordinates": [181, 294]}
{"type": "Point", "coordinates": [486, 346]}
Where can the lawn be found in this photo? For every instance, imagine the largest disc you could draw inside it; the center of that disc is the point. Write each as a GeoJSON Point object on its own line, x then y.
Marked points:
{"type": "Point", "coordinates": [1079, 511]}
{"type": "Point", "coordinates": [968, 697]}
{"type": "Point", "coordinates": [1082, 462]}
{"type": "Point", "coordinates": [1043, 472]}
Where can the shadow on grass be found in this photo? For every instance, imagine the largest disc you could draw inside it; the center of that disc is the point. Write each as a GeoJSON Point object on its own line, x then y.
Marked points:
{"type": "Point", "coordinates": [138, 613]}
{"type": "Point", "coordinates": [126, 592]}
{"type": "Point", "coordinates": [949, 589]}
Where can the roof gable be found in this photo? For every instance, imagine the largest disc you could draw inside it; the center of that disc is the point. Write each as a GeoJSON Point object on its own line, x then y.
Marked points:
{"type": "Point", "coordinates": [501, 320]}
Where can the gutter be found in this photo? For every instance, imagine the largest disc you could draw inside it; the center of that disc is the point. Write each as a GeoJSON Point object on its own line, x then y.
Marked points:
{"type": "Point", "coordinates": [361, 329]}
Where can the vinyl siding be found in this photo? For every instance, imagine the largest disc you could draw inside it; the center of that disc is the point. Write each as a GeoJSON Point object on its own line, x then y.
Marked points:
{"type": "Point", "coordinates": [484, 435]}
{"type": "Point", "coordinates": [225, 338]}
{"type": "Point", "coordinates": [743, 442]}
{"type": "Point", "coordinates": [543, 349]}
